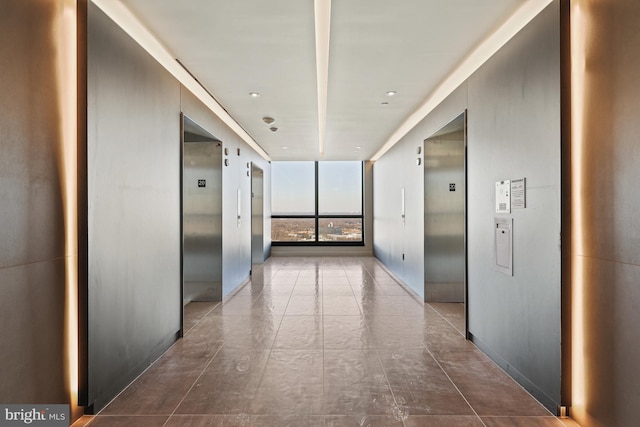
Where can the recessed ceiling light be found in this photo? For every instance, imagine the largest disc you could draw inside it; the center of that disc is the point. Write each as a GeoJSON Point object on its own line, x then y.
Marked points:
{"type": "Point", "coordinates": [392, 93]}
{"type": "Point", "coordinates": [273, 129]}
{"type": "Point", "coordinates": [384, 104]}
{"type": "Point", "coordinates": [358, 147]}
{"type": "Point", "coordinates": [268, 120]}
{"type": "Point", "coordinates": [284, 148]}
{"type": "Point", "coordinates": [254, 94]}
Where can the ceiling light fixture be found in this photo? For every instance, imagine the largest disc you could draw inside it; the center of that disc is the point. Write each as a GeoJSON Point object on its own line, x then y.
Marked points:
{"type": "Point", "coordinates": [268, 120]}
{"type": "Point", "coordinates": [273, 129]}
{"type": "Point", "coordinates": [123, 17]}
{"type": "Point", "coordinates": [322, 15]}
{"type": "Point", "coordinates": [254, 94]}
{"type": "Point", "coordinates": [392, 93]}
{"type": "Point", "coordinates": [517, 21]}
{"type": "Point", "coordinates": [384, 104]}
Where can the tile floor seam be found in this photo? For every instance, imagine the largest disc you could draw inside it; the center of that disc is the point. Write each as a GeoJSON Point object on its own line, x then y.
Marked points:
{"type": "Point", "coordinates": [369, 282]}
{"type": "Point", "coordinates": [201, 318]}
{"type": "Point", "coordinates": [455, 386]}
{"type": "Point", "coordinates": [194, 383]}
{"type": "Point", "coordinates": [324, 382]}
{"type": "Point", "coordinates": [445, 319]}
{"type": "Point", "coordinates": [271, 349]}
{"type": "Point", "coordinates": [403, 416]}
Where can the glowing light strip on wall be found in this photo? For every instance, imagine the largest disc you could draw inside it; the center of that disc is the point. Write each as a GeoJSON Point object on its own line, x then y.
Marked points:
{"type": "Point", "coordinates": [122, 16]}
{"type": "Point", "coordinates": [525, 13]}
{"type": "Point", "coordinates": [323, 35]}
{"type": "Point", "coordinates": [578, 88]}
{"type": "Point", "coordinates": [67, 77]}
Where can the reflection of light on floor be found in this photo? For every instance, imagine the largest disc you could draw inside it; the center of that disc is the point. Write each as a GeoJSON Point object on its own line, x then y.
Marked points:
{"type": "Point", "coordinates": [578, 71]}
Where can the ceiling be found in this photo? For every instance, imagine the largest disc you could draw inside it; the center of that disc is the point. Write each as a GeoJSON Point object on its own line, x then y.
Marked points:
{"type": "Point", "coordinates": [234, 48]}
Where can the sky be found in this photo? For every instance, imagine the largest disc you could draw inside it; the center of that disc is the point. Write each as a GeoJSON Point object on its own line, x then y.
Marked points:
{"type": "Point", "coordinates": [340, 188]}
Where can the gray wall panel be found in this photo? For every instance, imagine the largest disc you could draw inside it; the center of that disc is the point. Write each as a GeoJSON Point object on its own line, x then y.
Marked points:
{"type": "Point", "coordinates": [606, 255]}
{"type": "Point", "coordinates": [388, 181]}
{"type": "Point", "coordinates": [513, 104]}
{"type": "Point", "coordinates": [514, 132]}
{"type": "Point", "coordinates": [32, 246]}
{"type": "Point", "coordinates": [32, 319]}
{"type": "Point", "coordinates": [30, 190]}
{"type": "Point", "coordinates": [134, 208]}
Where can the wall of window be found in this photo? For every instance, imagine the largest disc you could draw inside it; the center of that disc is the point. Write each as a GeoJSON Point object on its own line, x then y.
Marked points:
{"type": "Point", "coordinates": [317, 203]}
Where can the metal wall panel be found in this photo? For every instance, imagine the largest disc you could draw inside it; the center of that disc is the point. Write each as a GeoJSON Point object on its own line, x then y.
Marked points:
{"type": "Point", "coordinates": [32, 226]}
{"type": "Point", "coordinates": [514, 131]}
{"type": "Point", "coordinates": [607, 226]}
{"type": "Point", "coordinates": [133, 152]}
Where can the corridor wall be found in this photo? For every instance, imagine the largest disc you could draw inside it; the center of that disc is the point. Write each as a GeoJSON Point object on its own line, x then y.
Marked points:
{"type": "Point", "coordinates": [606, 202]}
{"type": "Point", "coordinates": [33, 255]}
{"type": "Point", "coordinates": [133, 167]}
{"type": "Point", "coordinates": [513, 131]}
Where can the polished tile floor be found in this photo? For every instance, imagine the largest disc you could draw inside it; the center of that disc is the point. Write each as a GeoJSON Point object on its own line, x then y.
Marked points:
{"type": "Point", "coordinates": [324, 342]}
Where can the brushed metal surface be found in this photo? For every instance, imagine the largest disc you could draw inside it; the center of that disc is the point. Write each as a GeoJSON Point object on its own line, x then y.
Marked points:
{"type": "Point", "coordinates": [201, 215]}
{"type": "Point", "coordinates": [257, 215]}
{"type": "Point", "coordinates": [133, 173]}
{"type": "Point", "coordinates": [606, 219]}
{"type": "Point", "coordinates": [31, 150]}
{"type": "Point", "coordinates": [514, 131]}
{"type": "Point", "coordinates": [32, 228]}
{"type": "Point", "coordinates": [444, 210]}
{"type": "Point", "coordinates": [32, 314]}
{"type": "Point", "coordinates": [514, 127]}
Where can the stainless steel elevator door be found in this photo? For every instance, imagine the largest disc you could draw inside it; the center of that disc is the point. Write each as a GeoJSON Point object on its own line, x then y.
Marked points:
{"type": "Point", "coordinates": [202, 221]}
{"type": "Point", "coordinates": [444, 207]}
{"type": "Point", "coordinates": [257, 215]}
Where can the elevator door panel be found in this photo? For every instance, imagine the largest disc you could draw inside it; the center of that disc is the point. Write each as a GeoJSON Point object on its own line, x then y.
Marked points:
{"type": "Point", "coordinates": [444, 187]}
{"type": "Point", "coordinates": [202, 221]}
{"type": "Point", "coordinates": [257, 215]}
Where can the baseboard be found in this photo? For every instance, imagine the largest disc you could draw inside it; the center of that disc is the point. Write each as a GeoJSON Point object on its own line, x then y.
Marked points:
{"type": "Point", "coordinates": [547, 401]}
{"type": "Point", "coordinates": [119, 385]}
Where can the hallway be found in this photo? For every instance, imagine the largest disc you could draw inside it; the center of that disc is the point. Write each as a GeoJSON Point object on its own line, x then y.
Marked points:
{"type": "Point", "coordinates": [323, 342]}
